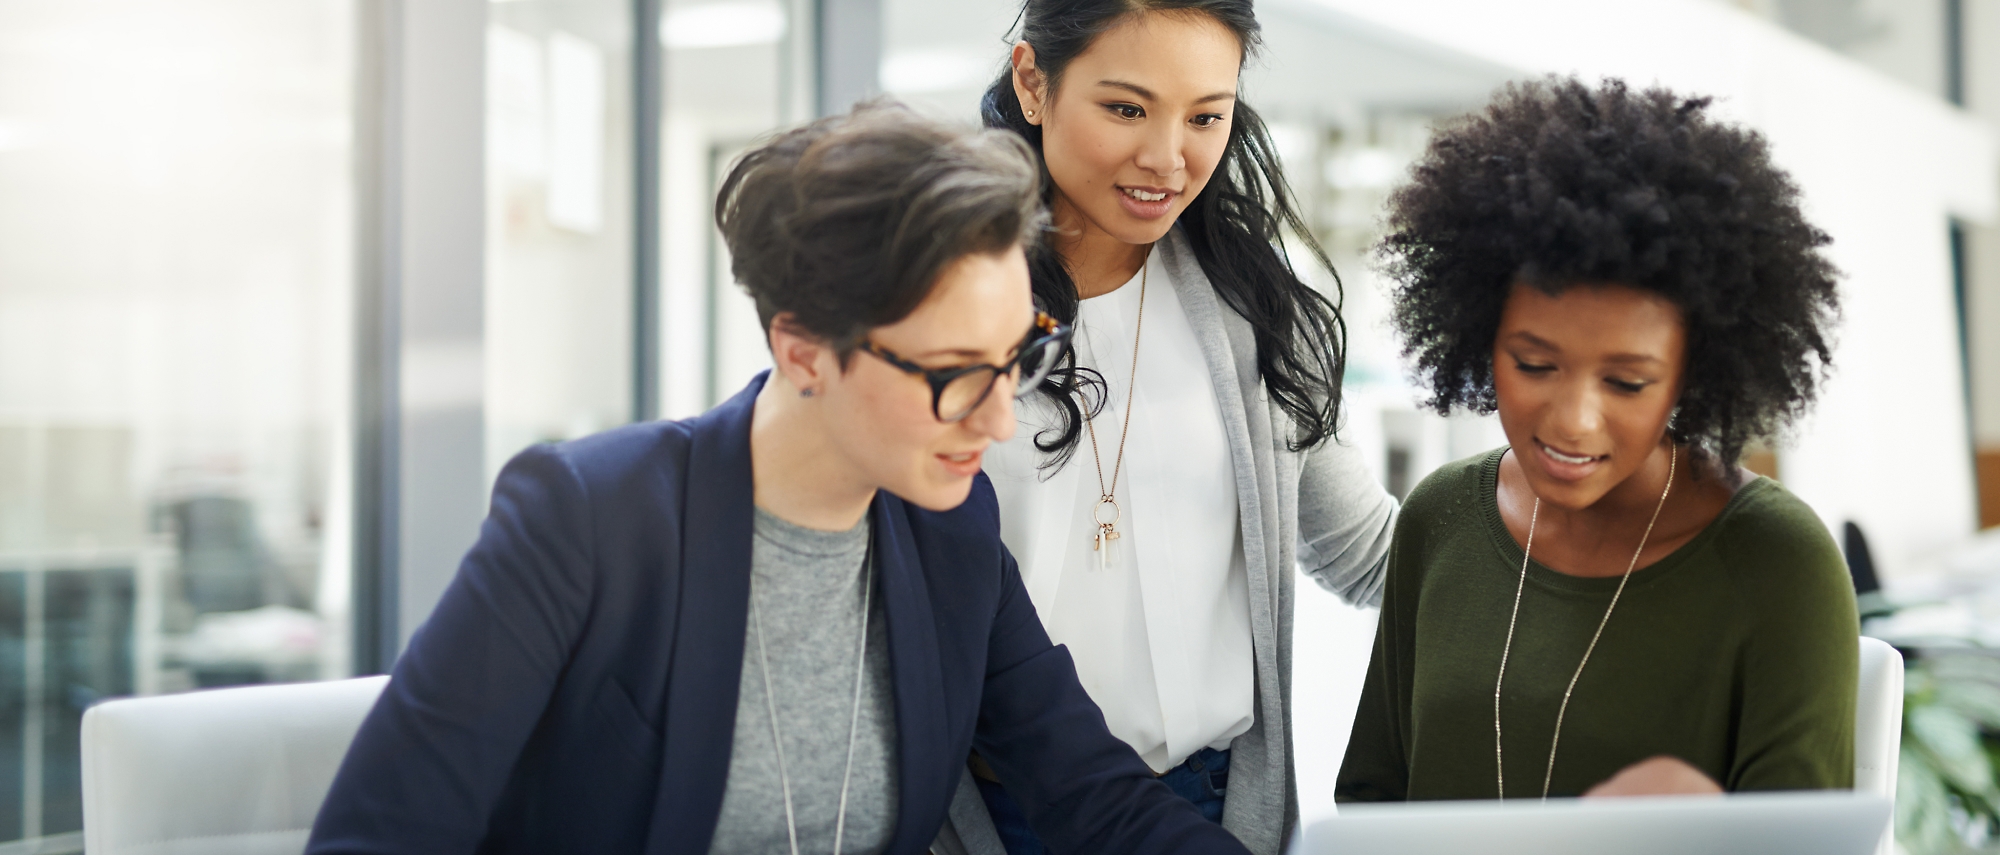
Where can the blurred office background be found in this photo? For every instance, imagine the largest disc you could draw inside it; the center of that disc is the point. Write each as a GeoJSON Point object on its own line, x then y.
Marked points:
{"type": "Point", "coordinates": [282, 285]}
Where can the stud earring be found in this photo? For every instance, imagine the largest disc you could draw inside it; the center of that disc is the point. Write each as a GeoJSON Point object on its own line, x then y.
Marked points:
{"type": "Point", "coordinates": [805, 393]}
{"type": "Point", "coordinates": [1031, 114]}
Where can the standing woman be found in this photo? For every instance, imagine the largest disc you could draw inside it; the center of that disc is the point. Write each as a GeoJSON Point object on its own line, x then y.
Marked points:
{"type": "Point", "coordinates": [1165, 483]}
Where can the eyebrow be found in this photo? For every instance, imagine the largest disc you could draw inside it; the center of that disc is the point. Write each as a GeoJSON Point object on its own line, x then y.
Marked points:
{"type": "Point", "coordinates": [1147, 94]}
{"type": "Point", "coordinates": [1534, 340]}
{"type": "Point", "coordinates": [1632, 358]}
{"type": "Point", "coordinates": [1537, 341]}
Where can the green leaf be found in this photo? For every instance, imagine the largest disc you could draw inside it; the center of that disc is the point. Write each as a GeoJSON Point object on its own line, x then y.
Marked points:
{"type": "Point", "coordinates": [1979, 702]}
{"type": "Point", "coordinates": [1977, 666]}
{"type": "Point", "coordinates": [1923, 808]}
{"type": "Point", "coordinates": [1952, 741]}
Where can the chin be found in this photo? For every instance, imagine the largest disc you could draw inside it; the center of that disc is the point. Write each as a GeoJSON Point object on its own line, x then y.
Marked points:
{"type": "Point", "coordinates": [1141, 232]}
{"type": "Point", "coordinates": [1132, 230]}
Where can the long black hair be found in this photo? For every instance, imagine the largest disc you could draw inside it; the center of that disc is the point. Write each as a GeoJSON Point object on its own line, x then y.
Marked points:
{"type": "Point", "coordinates": [1233, 226]}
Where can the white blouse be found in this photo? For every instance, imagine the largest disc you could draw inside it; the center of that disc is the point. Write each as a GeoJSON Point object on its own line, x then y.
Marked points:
{"type": "Point", "coordinates": [1161, 637]}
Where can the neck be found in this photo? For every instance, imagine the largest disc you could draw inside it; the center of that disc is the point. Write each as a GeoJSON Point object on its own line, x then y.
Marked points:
{"type": "Point", "coordinates": [797, 472]}
{"type": "Point", "coordinates": [1099, 262]}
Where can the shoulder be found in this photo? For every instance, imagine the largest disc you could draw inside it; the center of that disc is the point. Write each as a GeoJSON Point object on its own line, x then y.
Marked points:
{"type": "Point", "coordinates": [631, 466]}
{"type": "Point", "coordinates": [621, 449]}
{"type": "Point", "coordinates": [1777, 550]}
{"type": "Point", "coordinates": [1767, 530]}
{"type": "Point", "coordinates": [1438, 509]}
{"type": "Point", "coordinates": [1452, 488]}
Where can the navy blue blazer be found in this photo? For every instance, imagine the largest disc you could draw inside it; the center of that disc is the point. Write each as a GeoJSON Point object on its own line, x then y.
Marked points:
{"type": "Point", "coordinates": [575, 689]}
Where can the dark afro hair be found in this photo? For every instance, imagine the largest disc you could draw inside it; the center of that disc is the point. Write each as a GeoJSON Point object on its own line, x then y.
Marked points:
{"type": "Point", "coordinates": [1557, 183]}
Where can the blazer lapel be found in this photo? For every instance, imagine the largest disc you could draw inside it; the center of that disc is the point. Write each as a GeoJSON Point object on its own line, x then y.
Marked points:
{"type": "Point", "coordinates": [918, 676]}
{"type": "Point", "coordinates": [712, 609]}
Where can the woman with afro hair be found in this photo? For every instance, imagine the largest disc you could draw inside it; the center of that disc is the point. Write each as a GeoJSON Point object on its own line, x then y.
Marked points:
{"type": "Point", "coordinates": [1609, 604]}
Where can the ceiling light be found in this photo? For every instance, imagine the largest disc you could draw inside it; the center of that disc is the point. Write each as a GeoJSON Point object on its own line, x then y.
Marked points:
{"type": "Point", "coordinates": [734, 23]}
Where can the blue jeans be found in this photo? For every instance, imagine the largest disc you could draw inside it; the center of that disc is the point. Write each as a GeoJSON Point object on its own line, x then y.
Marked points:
{"type": "Point", "coordinates": [1203, 780]}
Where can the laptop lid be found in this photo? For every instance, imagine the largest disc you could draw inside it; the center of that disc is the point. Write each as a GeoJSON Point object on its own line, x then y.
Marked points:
{"type": "Point", "coordinates": [1794, 823]}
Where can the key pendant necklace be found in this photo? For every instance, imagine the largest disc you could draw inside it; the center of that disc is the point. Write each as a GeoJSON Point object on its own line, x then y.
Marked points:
{"type": "Point", "coordinates": [1106, 513]}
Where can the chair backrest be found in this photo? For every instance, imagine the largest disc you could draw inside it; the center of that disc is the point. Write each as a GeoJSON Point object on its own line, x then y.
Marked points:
{"type": "Point", "coordinates": [1878, 725]}
{"type": "Point", "coordinates": [236, 771]}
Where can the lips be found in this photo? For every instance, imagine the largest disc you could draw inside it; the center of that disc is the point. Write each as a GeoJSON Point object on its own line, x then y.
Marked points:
{"type": "Point", "coordinates": [1566, 465]}
{"type": "Point", "coordinates": [1146, 202]}
{"type": "Point", "coordinates": [963, 464]}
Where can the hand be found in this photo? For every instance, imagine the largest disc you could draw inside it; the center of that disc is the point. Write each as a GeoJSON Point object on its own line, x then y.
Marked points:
{"type": "Point", "coordinates": [1657, 776]}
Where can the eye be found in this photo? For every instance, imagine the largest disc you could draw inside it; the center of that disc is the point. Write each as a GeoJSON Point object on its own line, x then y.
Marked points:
{"type": "Point", "coordinates": [1126, 111]}
{"type": "Point", "coordinates": [1532, 368]}
{"type": "Point", "coordinates": [1629, 387]}
{"type": "Point", "coordinates": [1207, 120]}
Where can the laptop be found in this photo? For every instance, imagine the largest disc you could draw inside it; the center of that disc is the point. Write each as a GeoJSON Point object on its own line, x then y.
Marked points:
{"type": "Point", "coordinates": [1795, 823]}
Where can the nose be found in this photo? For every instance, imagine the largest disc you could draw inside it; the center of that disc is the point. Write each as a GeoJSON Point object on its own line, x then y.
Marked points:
{"type": "Point", "coordinates": [1578, 413]}
{"type": "Point", "coordinates": [994, 417]}
{"type": "Point", "coordinates": [1160, 152]}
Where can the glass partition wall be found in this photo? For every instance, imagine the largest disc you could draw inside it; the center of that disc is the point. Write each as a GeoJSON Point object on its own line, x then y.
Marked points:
{"type": "Point", "coordinates": [178, 327]}
{"type": "Point", "coordinates": [559, 221]}
{"type": "Point", "coordinates": [735, 71]}
{"type": "Point", "coordinates": [175, 292]}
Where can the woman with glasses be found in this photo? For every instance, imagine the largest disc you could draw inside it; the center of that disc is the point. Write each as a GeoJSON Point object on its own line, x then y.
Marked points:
{"type": "Point", "coordinates": [781, 625]}
{"type": "Point", "coordinates": [1165, 481]}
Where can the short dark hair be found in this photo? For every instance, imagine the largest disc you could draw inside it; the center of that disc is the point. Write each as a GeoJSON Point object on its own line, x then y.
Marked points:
{"type": "Point", "coordinates": [845, 224]}
{"type": "Point", "coordinates": [1557, 183]}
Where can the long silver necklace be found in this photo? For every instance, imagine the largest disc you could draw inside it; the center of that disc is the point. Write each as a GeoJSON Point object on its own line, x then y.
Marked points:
{"type": "Point", "coordinates": [1107, 528]}
{"type": "Point", "coordinates": [853, 721]}
{"type": "Point", "coordinates": [1499, 768]}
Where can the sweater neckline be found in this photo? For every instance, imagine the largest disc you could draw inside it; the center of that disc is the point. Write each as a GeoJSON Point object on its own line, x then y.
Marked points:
{"type": "Point", "coordinates": [1546, 577]}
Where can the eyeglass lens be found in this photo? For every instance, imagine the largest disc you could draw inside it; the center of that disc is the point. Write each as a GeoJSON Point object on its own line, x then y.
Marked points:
{"type": "Point", "coordinates": [965, 392]}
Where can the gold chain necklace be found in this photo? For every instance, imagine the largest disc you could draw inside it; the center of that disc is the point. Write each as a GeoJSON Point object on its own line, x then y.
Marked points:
{"type": "Point", "coordinates": [1500, 770]}
{"type": "Point", "coordinates": [1107, 529]}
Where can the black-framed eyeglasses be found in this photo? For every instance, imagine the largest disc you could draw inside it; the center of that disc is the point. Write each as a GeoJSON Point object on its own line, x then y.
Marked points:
{"type": "Point", "coordinates": [956, 392]}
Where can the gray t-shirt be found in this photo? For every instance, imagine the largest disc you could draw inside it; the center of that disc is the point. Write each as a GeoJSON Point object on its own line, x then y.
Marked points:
{"type": "Point", "coordinates": [807, 587]}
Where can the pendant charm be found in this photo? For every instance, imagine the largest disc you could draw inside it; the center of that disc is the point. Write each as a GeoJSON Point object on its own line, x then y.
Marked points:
{"type": "Point", "coordinates": [1106, 514]}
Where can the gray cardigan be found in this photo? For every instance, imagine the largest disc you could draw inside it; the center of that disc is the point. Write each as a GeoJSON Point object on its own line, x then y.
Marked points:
{"type": "Point", "coordinates": [1320, 510]}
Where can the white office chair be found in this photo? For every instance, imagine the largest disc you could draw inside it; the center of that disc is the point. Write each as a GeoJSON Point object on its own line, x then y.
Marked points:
{"type": "Point", "coordinates": [264, 756]}
{"type": "Point", "coordinates": [1878, 727]}
{"type": "Point", "coordinates": [220, 772]}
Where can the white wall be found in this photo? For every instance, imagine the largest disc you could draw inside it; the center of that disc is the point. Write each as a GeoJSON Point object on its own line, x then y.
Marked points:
{"type": "Point", "coordinates": [1982, 95]}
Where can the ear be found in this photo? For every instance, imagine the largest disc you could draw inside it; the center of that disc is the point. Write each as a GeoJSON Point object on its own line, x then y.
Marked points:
{"type": "Point", "coordinates": [1029, 85]}
{"type": "Point", "coordinates": [798, 356]}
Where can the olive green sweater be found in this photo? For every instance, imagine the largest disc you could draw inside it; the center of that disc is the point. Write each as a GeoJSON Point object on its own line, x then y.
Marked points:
{"type": "Point", "coordinates": [1736, 653]}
